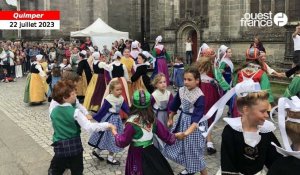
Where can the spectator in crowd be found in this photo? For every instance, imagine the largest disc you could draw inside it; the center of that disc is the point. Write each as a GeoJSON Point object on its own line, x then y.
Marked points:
{"type": "Point", "coordinates": [188, 51]}
{"type": "Point", "coordinates": [61, 53]}
{"type": "Point", "coordinates": [258, 44]}
{"type": "Point", "coordinates": [6, 57]}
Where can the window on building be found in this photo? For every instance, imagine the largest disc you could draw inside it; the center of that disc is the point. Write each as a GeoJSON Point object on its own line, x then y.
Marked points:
{"type": "Point", "coordinates": [204, 7]}
{"type": "Point", "coordinates": [197, 8]}
{"type": "Point", "coordinates": [193, 8]}
{"type": "Point", "coordinates": [266, 6]}
{"type": "Point", "coordinates": [279, 6]}
{"type": "Point", "coordinates": [293, 10]}
{"type": "Point", "coordinates": [182, 8]}
{"type": "Point", "coordinates": [254, 6]}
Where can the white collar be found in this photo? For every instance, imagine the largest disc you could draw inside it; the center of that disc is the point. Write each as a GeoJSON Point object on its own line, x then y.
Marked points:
{"type": "Point", "coordinates": [236, 124]}
{"type": "Point", "coordinates": [138, 65]}
{"type": "Point", "coordinates": [95, 62]}
{"type": "Point", "coordinates": [190, 95]}
{"type": "Point", "coordinates": [146, 63]}
{"type": "Point", "coordinates": [158, 93]}
{"type": "Point", "coordinates": [228, 62]}
{"type": "Point", "coordinates": [285, 152]}
{"type": "Point", "coordinates": [116, 62]}
{"type": "Point", "coordinates": [114, 100]}
{"type": "Point", "coordinates": [160, 47]}
{"type": "Point", "coordinates": [65, 104]}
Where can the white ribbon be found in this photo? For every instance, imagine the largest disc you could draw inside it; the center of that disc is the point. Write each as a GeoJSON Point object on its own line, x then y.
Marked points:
{"type": "Point", "coordinates": [273, 110]}
{"type": "Point", "coordinates": [241, 89]}
{"type": "Point", "coordinates": [219, 107]}
{"type": "Point", "coordinates": [293, 120]}
{"type": "Point", "coordinates": [284, 103]}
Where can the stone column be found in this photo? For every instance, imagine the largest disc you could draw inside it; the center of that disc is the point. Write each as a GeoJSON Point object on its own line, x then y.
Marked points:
{"type": "Point", "coordinates": [86, 13]}
{"type": "Point", "coordinates": [260, 6]}
{"type": "Point", "coordinates": [215, 16]}
{"type": "Point", "coordinates": [234, 13]}
{"type": "Point", "coordinates": [289, 43]}
{"type": "Point", "coordinates": [47, 33]}
{"type": "Point", "coordinates": [157, 19]}
{"type": "Point", "coordinates": [168, 12]}
{"type": "Point", "coordinates": [176, 9]}
{"type": "Point", "coordinates": [100, 10]}
{"type": "Point", "coordinates": [135, 19]}
{"type": "Point", "coordinates": [273, 6]}
{"type": "Point", "coordinates": [19, 8]}
{"type": "Point", "coordinates": [286, 6]}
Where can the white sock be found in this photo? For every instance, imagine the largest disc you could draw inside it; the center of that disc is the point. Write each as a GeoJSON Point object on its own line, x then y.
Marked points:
{"type": "Point", "coordinates": [98, 151]}
{"type": "Point", "coordinates": [184, 172]}
{"type": "Point", "coordinates": [110, 158]}
{"type": "Point", "coordinates": [210, 145]}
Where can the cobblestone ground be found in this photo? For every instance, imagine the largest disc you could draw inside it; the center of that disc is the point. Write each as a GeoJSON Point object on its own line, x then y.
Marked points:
{"type": "Point", "coordinates": [35, 122]}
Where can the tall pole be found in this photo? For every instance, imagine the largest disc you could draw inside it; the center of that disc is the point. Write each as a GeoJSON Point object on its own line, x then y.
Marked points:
{"type": "Point", "coordinates": [142, 21]}
{"type": "Point", "coordinates": [47, 7]}
{"type": "Point", "coordinates": [78, 17]}
{"type": "Point", "coordinates": [18, 9]}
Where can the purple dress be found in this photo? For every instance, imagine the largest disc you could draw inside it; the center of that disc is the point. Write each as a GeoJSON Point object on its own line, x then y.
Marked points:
{"type": "Point", "coordinates": [109, 112]}
{"type": "Point", "coordinates": [143, 158]}
{"type": "Point", "coordinates": [161, 64]}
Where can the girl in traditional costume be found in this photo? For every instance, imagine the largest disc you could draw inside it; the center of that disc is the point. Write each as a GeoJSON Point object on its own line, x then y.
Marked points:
{"type": "Point", "coordinates": [212, 85]}
{"type": "Point", "coordinates": [119, 71]}
{"type": "Point", "coordinates": [254, 69]}
{"type": "Point", "coordinates": [135, 51]}
{"type": "Point", "coordinates": [178, 71]}
{"type": "Point", "coordinates": [130, 64]}
{"type": "Point", "coordinates": [161, 100]}
{"type": "Point", "coordinates": [161, 59]}
{"type": "Point", "coordinates": [246, 140]}
{"type": "Point", "coordinates": [189, 152]}
{"type": "Point", "coordinates": [109, 112]}
{"type": "Point", "coordinates": [96, 88]}
{"type": "Point", "coordinates": [35, 86]}
{"type": "Point", "coordinates": [140, 79]}
{"type": "Point", "coordinates": [52, 80]}
{"type": "Point", "coordinates": [85, 75]}
{"type": "Point", "coordinates": [225, 65]}
{"type": "Point", "coordinates": [143, 157]}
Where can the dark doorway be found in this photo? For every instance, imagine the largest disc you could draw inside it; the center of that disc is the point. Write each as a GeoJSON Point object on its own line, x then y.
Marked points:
{"type": "Point", "coordinates": [193, 35]}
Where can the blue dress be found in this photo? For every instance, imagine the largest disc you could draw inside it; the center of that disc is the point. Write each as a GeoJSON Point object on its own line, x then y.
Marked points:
{"type": "Point", "coordinates": [161, 103]}
{"type": "Point", "coordinates": [109, 112]}
{"type": "Point", "coordinates": [190, 151]}
{"type": "Point", "coordinates": [178, 73]}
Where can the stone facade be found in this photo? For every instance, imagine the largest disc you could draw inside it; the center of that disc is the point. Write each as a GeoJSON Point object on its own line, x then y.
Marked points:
{"type": "Point", "coordinates": [215, 22]}
{"type": "Point", "coordinates": [7, 33]}
{"type": "Point", "coordinates": [74, 15]}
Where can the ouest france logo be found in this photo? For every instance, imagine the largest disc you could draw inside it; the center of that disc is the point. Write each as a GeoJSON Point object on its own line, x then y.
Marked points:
{"type": "Point", "coordinates": [264, 19]}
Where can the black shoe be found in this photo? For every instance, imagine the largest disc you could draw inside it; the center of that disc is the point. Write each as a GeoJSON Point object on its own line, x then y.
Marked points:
{"type": "Point", "coordinates": [114, 162]}
{"type": "Point", "coordinates": [211, 151]}
{"type": "Point", "coordinates": [97, 155]}
{"type": "Point", "coordinates": [94, 111]}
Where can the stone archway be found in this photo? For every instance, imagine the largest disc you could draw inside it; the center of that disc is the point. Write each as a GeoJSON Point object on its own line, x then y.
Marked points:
{"type": "Point", "coordinates": [188, 29]}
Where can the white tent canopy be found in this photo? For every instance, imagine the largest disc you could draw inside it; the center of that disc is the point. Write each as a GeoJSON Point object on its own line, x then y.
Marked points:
{"type": "Point", "coordinates": [101, 34]}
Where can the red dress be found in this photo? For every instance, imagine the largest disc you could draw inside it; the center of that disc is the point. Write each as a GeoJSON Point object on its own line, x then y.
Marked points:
{"type": "Point", "coordinates": [211, 91]}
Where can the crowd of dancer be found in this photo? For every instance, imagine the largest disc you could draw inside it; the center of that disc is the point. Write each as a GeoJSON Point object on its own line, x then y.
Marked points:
{"type": "Point", "coordinates": [112, 96]}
